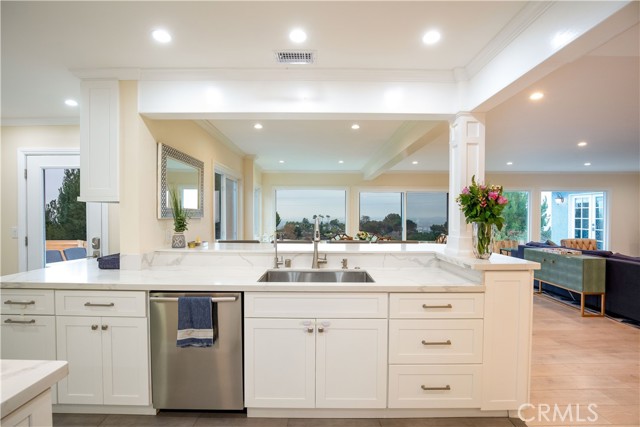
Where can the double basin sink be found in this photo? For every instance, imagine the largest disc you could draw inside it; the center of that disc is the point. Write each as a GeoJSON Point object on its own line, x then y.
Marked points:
{"type": "Point", "coordinates": [324, 276]}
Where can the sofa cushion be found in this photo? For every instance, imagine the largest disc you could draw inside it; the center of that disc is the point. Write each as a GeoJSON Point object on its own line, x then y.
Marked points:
{"type": "Point", "coordinates": [625, 257]}
{"type": "Point", "coordinates": [604, 254]}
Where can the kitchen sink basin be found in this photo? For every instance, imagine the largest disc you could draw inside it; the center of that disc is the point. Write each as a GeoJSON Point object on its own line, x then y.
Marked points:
{"type": "Point", "coordinates": [327, 276]}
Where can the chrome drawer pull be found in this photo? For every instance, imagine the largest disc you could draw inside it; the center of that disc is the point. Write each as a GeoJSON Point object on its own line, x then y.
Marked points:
{"type": "Point", "coordinates": [447, 342]}
{"type": "Point", "coordinates": [446, 388]}
{"type": "Point", "coordinates": [24, 322]}
{"type": "Point", "coordinates": [20, 302]}
{"type": "Point", "coordinates": [425, 306]}
{"type": "Point", "coordinates": [90, 304]}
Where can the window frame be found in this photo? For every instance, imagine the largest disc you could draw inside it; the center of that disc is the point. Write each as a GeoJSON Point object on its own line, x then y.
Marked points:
{"type": "Point", "coordinates": [226, 173]}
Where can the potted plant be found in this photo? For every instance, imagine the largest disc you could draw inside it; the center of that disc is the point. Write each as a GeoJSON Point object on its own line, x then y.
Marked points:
{"type": "Point", "coordinates": [180, 219]}
{"type": "Point", "coordinates": [482, 206]}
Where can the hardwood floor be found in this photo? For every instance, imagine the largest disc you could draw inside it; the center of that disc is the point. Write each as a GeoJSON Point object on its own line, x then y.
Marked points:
{"type": "Point", "coordinates": [576, 361]}
{"type": "Point", "coordinates": [581, 361]}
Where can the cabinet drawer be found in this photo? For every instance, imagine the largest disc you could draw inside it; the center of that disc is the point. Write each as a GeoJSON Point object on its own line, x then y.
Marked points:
{"type": "Point", "coordinates": [99, 303]}
{"type": "Point", "coordinates": [28, 337]}
{"type": "Point", "coordinates": [435, 341]}
{"type": "Point", "coordinates": [305, 304]}
{"type": "Point", "coordinates": [436, 306]}
{"type": "Point", "coordinates": [27, 301]}
{"type": "Point", "coordinates": [434, 386]}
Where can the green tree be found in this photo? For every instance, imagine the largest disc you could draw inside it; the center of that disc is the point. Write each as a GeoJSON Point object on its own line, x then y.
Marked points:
{"type": "Point", "coordinates": [515, 216]}
{"type": "Point", "coordinates": [66, 217]}
{"type": "Point", "coordinates": [278, 220]}
{"type": "Point", "coordinates": [545, 227]}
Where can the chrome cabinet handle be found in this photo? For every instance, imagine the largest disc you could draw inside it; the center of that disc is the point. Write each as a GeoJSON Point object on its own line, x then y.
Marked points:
{"type": "Point", "coordinates": [23, 322]}
{"type": "Point", "coordinates": [94, 327]}
{"type": "Point", "coordinates": [447, 342]}
{"type": "Point", "coordinates": [91, 304]}
{"type": "Point", "coordinates": [105, 327]}
{"type": "Point", "coordinates": [424, 387]}
{"type": "Point", "coordinates": [20, 302]}
{"type": "Point", "coordinates": [425, 306]}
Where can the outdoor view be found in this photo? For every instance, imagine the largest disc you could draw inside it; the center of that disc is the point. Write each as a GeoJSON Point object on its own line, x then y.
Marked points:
{"type": "Point", "coordinates": [65, 218]}
{"type": "Point", "coordinates": [296, 211]}
{"type": "Point", "coordinates": [516, 217]}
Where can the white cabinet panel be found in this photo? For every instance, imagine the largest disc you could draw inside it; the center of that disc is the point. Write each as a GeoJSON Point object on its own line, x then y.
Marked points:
{"type": "Point", "coordinates": [315, 305]}
{"type": "Point", "coordinates": [279, 363]}
{"type": "Point", "coordinates": [125, 355]}
{"type": "Point", "coordinates": [79, 342]}
{"type": "Point", "coordinates": [36, 412]}
{"type": "Point", "coordinates": [28, 337]}
{"type": "Point", "coordinates": [435, 386]}
{"type": "Point", "coordinates": [27, 301]}
{"type": "Point", "coordinates": [351, 363]}
{"type": "Point", "coordinates": [100, 303]}
{"type": "Point", "coordinates": [435, 341]}
{"type": "Point", "coordinates": [436, 306]}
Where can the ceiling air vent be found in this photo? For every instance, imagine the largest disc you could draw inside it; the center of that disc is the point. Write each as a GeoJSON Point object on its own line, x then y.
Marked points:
{"type": "Point", "coordinates": [295, 57]}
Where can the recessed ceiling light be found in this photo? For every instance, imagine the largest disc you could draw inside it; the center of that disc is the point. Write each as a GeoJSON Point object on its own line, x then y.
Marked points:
{"type": "Point", "coordinates": [431, 37]}
{"type": "Point", "coordinates": [161, 36]}
{"type": "Point", "coordinates": [582, 144]}
{"type": "Point", "coordinates": [536, 96]}
{"type": "Point", "coordinates": [257, 126]}
{"type": "Point", "coordinates": [71, 102]}
{"type": "Point", "coordinates": [297, 35]}
{"type": "Point", "coordinates": [341, 161]}
{"type": "Point", "coordinates": [415, 162]}
{"type": "Point", "coordinates": [355, 126]}
{"type": "Point", "coordinates": [509, 163]}
{"type": "Point", "coordinates": [588, 164]}
{"type": "Point", "coordinates": [280, 161]}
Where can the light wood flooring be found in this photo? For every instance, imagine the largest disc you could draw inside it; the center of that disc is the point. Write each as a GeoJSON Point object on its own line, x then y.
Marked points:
{"type": "Point", "coordinates": [576, 361]}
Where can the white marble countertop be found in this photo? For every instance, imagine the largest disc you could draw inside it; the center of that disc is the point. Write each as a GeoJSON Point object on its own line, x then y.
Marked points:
{"type": "Point", "coordinates": [22, 380]}
{"type": "Point", "coordinates": [237, 267]}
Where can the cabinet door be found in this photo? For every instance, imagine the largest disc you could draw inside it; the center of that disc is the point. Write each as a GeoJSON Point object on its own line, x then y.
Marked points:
{"type": "Point", "coordinates": [351, 363]}
{"type": "Point", "coordinates": [125, 361]}
{"type": "Point", "coordinates": [279, 363]}
{"type": "Point", "coordinates": [79, 342]}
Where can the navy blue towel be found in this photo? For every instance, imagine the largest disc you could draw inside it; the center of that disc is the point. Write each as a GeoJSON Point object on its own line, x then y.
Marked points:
{"type": "Point", "coordinates": [195, 322]}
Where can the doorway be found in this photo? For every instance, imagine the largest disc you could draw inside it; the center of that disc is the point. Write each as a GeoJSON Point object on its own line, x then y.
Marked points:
{"type": "Point", "coordinates": [57, 227]}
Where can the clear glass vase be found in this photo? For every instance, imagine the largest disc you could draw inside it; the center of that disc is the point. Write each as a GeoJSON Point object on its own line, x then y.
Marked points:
{"type": "Point", "coordinates": [482, 239]}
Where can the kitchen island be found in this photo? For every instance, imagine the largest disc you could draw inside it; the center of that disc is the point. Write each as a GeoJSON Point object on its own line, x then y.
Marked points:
{"type": "Point", "coordinates": [432, 335]}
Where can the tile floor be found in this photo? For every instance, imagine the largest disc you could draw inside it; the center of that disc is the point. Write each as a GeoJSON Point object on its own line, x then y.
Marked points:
{"type": "Point", "coordinates": [575, 361]}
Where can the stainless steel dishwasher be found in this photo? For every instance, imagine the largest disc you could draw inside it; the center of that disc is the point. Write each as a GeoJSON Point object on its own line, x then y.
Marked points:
{"type": "Point", "coordinates": [196, 377]}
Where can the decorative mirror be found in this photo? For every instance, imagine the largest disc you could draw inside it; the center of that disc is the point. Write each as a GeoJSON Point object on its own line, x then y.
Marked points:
{"type": "Point", "coordinates": [184, 173]}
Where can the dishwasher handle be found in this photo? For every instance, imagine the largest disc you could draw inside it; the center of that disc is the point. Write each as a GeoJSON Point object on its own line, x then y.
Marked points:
{"type": "Point", "coordinates": [213, 299]}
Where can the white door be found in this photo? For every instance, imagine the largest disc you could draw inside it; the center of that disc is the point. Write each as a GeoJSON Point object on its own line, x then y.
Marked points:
{"type": "Point", "coordinates": [125, 367]}
{"type": "Point", "coordinates": [279, 363]}
{"type": "Point", "coordinates": [79, 342]}
{"type": "Point", "coordinates": [40, 170]}
{"type": "Point", "coordinates": [351, 363]}
{"type": "Point", "coordinates": [587, 217]}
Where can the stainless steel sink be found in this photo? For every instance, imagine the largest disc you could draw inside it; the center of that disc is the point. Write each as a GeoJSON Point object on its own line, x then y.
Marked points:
{"type": "Point", "coordinates": [327, 276]}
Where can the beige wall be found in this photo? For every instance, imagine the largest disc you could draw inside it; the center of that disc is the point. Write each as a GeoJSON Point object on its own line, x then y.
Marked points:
{"type": "Point", "coordinates": [16, 138]}
{"type": "Point", "coordinates": [623, 191]}
{"type": "Point", "coordinates": [193, 140]}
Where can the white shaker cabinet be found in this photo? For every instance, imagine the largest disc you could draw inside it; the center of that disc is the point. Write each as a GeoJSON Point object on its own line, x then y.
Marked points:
{"type": "Point", "coordinates": [315, 362]}
{"type": "Point", "coordinates": [99, 136]}
{"type": "Point", "coordinates": [107, 354]}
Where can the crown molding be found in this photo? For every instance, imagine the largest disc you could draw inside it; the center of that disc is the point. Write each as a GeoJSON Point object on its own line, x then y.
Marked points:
{"type": "Point", "coordinates": [106, 73]}
{"type": "Point", "coordinates": [215, 132]}
{"type": "Point", "coordinates": [41, 121]}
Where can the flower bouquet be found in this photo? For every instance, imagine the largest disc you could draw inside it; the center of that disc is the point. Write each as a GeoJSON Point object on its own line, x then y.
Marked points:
{"type": "Point", "coordinates": [482, 206]}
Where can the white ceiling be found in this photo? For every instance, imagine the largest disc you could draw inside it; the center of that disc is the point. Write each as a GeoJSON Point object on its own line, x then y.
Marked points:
{"type": "Point", "coordinates": [45, 45]}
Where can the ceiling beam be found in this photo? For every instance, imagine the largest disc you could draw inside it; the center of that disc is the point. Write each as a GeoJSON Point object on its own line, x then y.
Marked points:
{"type": "Point", "coordinates": [408, 139]}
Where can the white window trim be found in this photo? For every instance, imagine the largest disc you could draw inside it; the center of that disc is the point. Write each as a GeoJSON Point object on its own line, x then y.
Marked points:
{"type": "Point", "coordinates": [572, 213]}
{"type": "Point", "coordinates": [226, 171]}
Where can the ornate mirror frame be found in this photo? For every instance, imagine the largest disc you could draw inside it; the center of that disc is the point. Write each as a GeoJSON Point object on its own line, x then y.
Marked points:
{"type": "Point", "coordinates": [165, 152]}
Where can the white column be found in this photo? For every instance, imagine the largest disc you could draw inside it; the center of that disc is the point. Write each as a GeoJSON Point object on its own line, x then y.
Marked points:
{"type": "Point", "coordinates": [466, 159]}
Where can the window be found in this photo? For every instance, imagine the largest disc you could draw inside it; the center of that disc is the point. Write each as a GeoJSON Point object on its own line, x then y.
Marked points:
{"type": "Point", "coordinates": [226, 207]}
{"type": "Point", "coordinates": [296, 210]}
{"type": "Point", "coordinates": [257, 212]}
{"type": "Point", "coordinates": [516, 217]}
{"type": "Point", "coordinates": [574, 214]}
{"type": "Point", "coordinates": [402, 215]}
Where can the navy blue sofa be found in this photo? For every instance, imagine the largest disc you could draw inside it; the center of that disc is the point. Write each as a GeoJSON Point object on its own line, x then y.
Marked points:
{"type": "Point", "coordinates": [622, 282]}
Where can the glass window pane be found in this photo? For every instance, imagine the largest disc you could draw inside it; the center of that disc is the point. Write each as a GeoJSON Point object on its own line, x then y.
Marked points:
{"type": "Point", "coordinates": [585, 223]}
{"type": "Point", "coordinates": [516, 217]}
{"type": "Point", "coordinates": [297, 209]}
{"type": "Point", "coordinates": [381, 214]}
{"type": "Point", "coordinates": [577, 224]}
{"type": "Point", "coordinates": [231, 209]}
{"type": "Point", "coordinates": [426, 217]}
{"type": "Point", "coordinates": [585, 234]}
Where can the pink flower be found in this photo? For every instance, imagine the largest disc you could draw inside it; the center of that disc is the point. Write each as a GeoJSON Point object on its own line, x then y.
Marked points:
{"type": "Point", "coordinates": [465, 190]}
{"type": "Point", "coordinates": [502, 200]}
{"type": "Point", "coordinates": [483, 187]}
{"type": "Point", "coordinates": [493, 195]}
